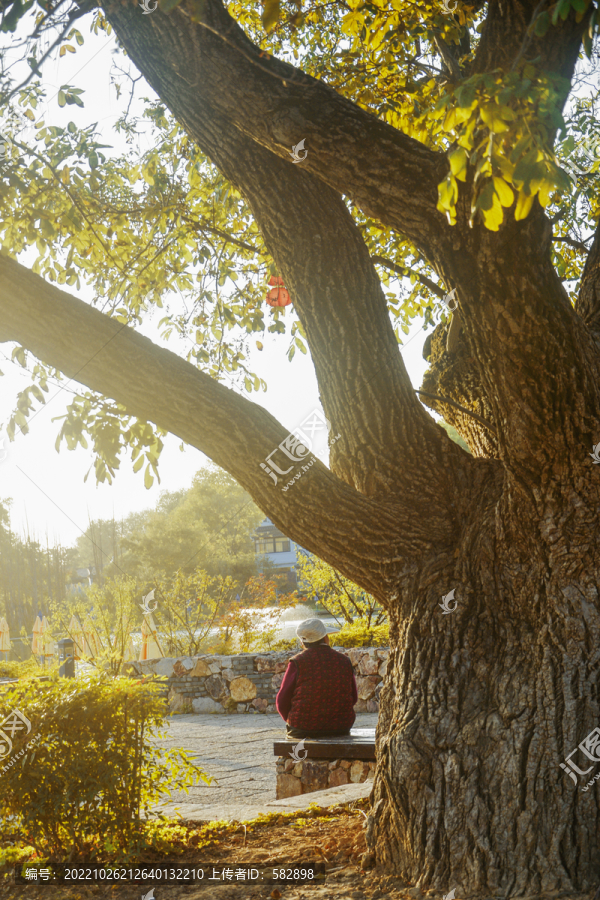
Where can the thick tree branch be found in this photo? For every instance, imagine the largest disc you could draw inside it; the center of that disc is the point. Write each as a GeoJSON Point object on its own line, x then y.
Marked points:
{"type": "Point", "coordinates": [508, 36]}
{"type": "Point", "coordinates": [156, 385]}
{"type": "Point", "coordinates": [387, 174]}
{"type": "Point", "coordinates": [588, 301]}
{"type": "Point", "coordinates": [389, 443]}
{"type": "Point", "coordinates": [450, 62]}
{"type": "Point", "coordinates": [452, 388]}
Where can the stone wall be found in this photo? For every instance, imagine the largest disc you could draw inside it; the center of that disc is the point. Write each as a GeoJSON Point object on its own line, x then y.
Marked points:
{"type": "Point", "coordinates": [248, 682]}
{"type": "Point", "coordinates": [295, 778]}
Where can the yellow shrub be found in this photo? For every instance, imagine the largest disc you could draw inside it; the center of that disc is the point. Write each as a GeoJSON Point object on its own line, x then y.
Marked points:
{"type": "Point", "coordinates": [358, 634]}
{"type": "Point", "coordinates": [81, 780]}
{"type": "Point", "coordinates": [18, 669]}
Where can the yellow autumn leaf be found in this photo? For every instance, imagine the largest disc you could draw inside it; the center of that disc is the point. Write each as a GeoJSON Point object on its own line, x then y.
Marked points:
{"type": "Point", "coordinates": [504, 192]}
{"type": "Point", "coordinates": [377, 36]}
{"type": "Point", "coordinates": [270, 15]}
{"type": "Point", "coordinates": [450, 120]}
{"type": "Point", "coordinates": [546, 189]}
{"type": "Point", "coordinates": [458, 163]}
{"type": "Point", "coordinates": [353, 23]}
{"type": "Point", "coordinates": [447, 194]}
{"type": "Point", "coordinates": [524, 203]}
{"type": "Point", "coordinates": [535, 184]}
{"type": "Point", "coordinates": [493, 217]}
{"type": "Point", "coordinates": [491, 115]}
{"type": "Point", "coordinates": [148, 478]}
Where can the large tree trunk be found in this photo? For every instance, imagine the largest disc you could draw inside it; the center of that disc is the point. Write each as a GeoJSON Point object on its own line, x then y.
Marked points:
{"type": "Point", "coordinates": [482, 705]}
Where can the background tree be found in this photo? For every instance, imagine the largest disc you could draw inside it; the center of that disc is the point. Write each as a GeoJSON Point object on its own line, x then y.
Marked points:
{"type": "Point", "coordinates": [432, 144]}
{"type": "Point", "coordinates": [100, 620]}
{"type": "Point", "coordinates": [190, 609]}
{"type": "Point", "coordinates": [31, 575]}
{"type": "Point", "coordinates": [210, 526]}
{"type": "Point", "coordinates": [339, 597]}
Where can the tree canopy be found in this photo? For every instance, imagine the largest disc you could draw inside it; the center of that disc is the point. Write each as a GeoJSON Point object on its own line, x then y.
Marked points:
{"type": "Point", "coordinates": [143, 230]}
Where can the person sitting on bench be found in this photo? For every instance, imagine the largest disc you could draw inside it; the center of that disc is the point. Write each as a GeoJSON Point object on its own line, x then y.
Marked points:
{"type": "Point", "coordinates": [318, 691]}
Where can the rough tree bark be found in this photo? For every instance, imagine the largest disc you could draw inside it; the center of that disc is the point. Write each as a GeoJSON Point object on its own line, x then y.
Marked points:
{"type": "Point", "coordinates": [481, 706]}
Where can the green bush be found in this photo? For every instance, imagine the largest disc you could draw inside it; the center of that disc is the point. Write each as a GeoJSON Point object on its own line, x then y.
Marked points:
{"type": "Point", "coordinates": [358, 634]}
{"type": "Point", "coordinates": [80, 783]}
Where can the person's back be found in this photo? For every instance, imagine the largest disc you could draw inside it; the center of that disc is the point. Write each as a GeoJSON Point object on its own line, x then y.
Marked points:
{"type": "Point", "coordinates": [322, 701]}
{"type": "Point", "coordinates": [318, 691]}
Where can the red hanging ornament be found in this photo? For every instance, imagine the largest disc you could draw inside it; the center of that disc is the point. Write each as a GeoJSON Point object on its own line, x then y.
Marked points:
{"type": "Point", "coordinates": [279, 295]}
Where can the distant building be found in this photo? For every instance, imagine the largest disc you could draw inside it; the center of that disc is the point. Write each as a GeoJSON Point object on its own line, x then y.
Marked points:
{"type": "Point", "coordinates": [82, 577]}
{"type": "Point", "coordinates": [276, 553]}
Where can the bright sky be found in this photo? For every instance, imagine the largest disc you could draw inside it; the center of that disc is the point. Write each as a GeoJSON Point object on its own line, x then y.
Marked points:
{"type": "Point", "coordinates": [50, 498]}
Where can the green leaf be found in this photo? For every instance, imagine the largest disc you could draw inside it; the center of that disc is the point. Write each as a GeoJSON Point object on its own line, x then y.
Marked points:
{"type": "Point", "coordinates": [485, 200]}
{"type": "Point", "coordinates": [62, 99]}
{"type": "Point", "coordinates": [526, 170]}
{"type": "Point", "coordinates": [270, 14]}
{"type": "Point", "coordinates": [466, 95]}
{"type": "Point", "coordinates": [560, 9]}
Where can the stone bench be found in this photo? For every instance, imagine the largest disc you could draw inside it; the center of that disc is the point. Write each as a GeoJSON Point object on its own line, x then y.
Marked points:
{"type": "Point", "coordinates": [319, 763]}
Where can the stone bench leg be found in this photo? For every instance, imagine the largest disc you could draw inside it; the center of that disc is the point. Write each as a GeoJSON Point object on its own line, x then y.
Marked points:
{"type": "Point", "coordinates": [311, 775]}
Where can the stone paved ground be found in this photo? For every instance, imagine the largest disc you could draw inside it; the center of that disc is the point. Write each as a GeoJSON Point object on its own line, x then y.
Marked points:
{"type": "Point", "coordinates": [237, 750]}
